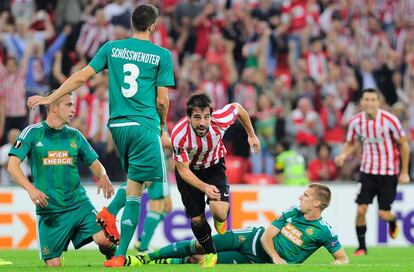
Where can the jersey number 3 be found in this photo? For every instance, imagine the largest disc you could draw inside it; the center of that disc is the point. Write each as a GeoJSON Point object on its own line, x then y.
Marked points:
{"type": "Point", "coordinates": [131, 73]}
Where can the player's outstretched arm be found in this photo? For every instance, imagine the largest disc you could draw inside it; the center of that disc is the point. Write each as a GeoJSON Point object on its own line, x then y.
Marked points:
{"type": "Point", "coordinates": [340, 257]}
{"type": "Point", "coordinates": [14, 169]}
{"type": "Point", "coordinates": [72, 83]}
{"type": "Point", "coordinates": [103, 181]}
{"type": "Point", "coordinates": [405, 158]}
{"type": "Point", "coordinates": [244, 118]}
{"type": "Point", "coordinates": [267, 242]}
{"type": "Point", "coordinates": [346, 151]}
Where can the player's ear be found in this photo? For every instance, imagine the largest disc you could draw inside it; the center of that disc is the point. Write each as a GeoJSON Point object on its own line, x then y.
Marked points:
{"type": "Point", "coordinates": [152, 28]}
{"type": "Point", "coordinates": [317, 203]}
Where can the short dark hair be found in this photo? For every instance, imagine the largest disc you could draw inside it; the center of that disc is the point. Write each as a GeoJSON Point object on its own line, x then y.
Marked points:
{"type": "Point", "coordinates": [144, 16]}
{"type": "Point", "coordinates": [56, 102]}
{"type": "Point", "coordinates": [323, 144]}
{"type": "Point", "coordinates": [323, 194]}
{"type": "Point", "coordinates": [201, 101]}
{"type": "Point", "coordinates": [370, 90]}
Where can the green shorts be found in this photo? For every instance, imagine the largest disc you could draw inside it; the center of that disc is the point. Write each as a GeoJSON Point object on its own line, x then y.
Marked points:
{"type": "Point", "coordinates": [158, 190]}
{"type": "Point", "coordinates": [56, 230]}
{"type": "Point", "coordinates": [239, 246]}
{"type": "Point", "coordinates": [140, 151]}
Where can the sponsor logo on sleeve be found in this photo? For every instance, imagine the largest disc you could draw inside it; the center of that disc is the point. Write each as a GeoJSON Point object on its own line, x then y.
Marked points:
{"type": "Point", "coordinates": [17, 144]}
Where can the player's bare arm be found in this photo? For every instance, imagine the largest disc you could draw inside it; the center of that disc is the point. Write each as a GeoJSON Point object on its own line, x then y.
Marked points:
{"type": "Point", "coordinates": [244, 118]}
{"type": "Point", "coordinates": [166, 140]}
{"type": "Point", "coordinates": [72, 83]}
{"type": "Point", "coordinates": [103, 181]}
{"type": "Point", "coordinates": [162, 104]}
{"type": "Point", "coordinates": [405, 158]}
{"type": "Point", "coordinates": [346, 151]}
{"type": "Point", "coordinates": [211, 191]}
{"type": "Point", "coordinates": [267, 243]}
{"type": "Point", "coordinates": [340, 257]}
{"type": "Point", "coordinates": [38, 197]}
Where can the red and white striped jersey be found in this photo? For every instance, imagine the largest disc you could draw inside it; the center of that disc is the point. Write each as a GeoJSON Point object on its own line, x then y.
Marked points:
{"type": "Point", "coordinates": [12, 89]}
{"type": "Point", "coordinates": [380, 154]}
{"type": "Point", "coordinates": [92, 36]}
{"type": "Point", "coordinates": [203, 152]}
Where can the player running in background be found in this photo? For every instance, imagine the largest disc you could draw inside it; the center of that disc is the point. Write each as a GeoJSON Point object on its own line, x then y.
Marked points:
{"type": "Point", "coordinates": [382, 136]}
{"type": "Point", "coordinates": [200, 170]}
{"type": "Point", "coordinates": [291, 238]}
{"type": "Point", "coordinates": [139, 75]}
{"type": "Point", "coordinates": [65, 211]}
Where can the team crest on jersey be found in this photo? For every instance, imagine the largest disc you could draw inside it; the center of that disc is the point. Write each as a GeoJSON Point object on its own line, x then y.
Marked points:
{"type": "Point", "coordinates": [73, 144]}
{"type": "Point", "coordinates": [17, 144]}
{"type": "Point", "coordinates": [310, 231]}
{"type": "Point", "coordinates": [241, 238]}
{"type": "Point", "coordinates": [58, 158]}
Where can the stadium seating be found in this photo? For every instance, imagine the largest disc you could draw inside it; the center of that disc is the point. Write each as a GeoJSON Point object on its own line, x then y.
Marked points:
{"type": "Point", "coordinates": [236, 168]}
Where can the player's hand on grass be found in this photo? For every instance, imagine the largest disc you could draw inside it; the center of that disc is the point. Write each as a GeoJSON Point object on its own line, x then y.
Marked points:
{"type": "Point", "coordinates": [404, 178]}
{"type": "Point", "coordinates": [254, 144]}
{"type": "Point", "coordinates": [38, 197]}
{"type": "Point", "coordinates": [340, 159]}
{"type": "Point", "coordinates": [105, 184]}
{"type": "Point", "coordinates": [212, 192]}
{"type": "Point", "coordinates": [278, 260]}
{"type": "Point", "coordinates": [37, 100]}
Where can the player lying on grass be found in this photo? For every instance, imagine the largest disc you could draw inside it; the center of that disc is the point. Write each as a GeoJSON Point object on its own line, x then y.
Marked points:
{"type": "Point", "coordinates": [291, 238]}
{"type": "Point", "coordinates": [64, 211]}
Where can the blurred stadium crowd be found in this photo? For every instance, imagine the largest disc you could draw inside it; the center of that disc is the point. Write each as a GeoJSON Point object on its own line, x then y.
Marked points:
{"type": "Point", "coordinates": [297, 66]}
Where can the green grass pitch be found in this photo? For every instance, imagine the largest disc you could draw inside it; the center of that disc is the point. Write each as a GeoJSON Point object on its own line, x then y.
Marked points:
{"type": "Point", "coordinates": [379, 259]}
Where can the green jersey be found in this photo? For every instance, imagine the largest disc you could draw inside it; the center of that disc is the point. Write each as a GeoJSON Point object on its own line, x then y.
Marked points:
{"type": "Point", "coordinates": [293, 166]}
{"type": "Point", "coordinates": [299, 238]}
{"type": "Point", "coordinates": [135, 69]}
{"type": "Point", "coordinates": [52, 156]}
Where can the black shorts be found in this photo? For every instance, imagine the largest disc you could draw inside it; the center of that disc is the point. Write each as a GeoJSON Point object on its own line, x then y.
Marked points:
{"type": "Point", "coordinates": [193, 199]}
{"type": "Point", "coordinates": [382, 186]}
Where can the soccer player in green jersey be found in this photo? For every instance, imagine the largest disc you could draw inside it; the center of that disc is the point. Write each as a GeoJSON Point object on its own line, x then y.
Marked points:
{"type": "Point", "coordinates": [159, 202]}
{"type": "Point", "coordinates": [65, 211]}
{"type": "Point", "coordinates": [139, 76]}
{"type": "Point", "coordinates": [291, 238]}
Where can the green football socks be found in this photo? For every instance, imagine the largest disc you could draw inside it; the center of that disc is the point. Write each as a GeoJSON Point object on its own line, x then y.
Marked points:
{"type": "Point", "coordinates": [129, 223]}
{"type": "Point", "coordinates": [150, 224]}
{"type": "Point", "coordinates": [119, 200]}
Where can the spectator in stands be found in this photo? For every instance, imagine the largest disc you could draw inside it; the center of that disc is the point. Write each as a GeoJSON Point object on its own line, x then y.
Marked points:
{"type": "Point", "coordinates": [41, 63]}
{"type": "Point", "coordinates": [245, 91]}
{"type": "Point", "coordinates": [20, 35]}
{"type": "Point", "coordinates": [323, 167]}
{"type": "Point", "coordinates": [317, 62]}
{"type": "Point", "coordinates": [265, 126]}
{"type": "Point", "coordinates": [305, 127]}
{"type": "Point", "coordinates": [12, 89]}
{"type": "Point", "coordinates": [290, 166]}
{"type": "Point", "coordinates": [331, 118]}
{"type": "Point", "coordinates": [94, 32]}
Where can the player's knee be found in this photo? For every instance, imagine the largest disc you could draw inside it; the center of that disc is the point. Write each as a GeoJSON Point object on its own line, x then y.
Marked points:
{"type": "Point", "coordinates": [198, 221]}
{"type": "Point", "coordinates": [221, 215]}
{"type": "Point", "coordinates": [101, 240]}
{"type": "Point", "coordinates": [362, 210]}
{"type": "Point", "coordinates": [384, 215]}
{"type": "Point", "coordinates": [55, 262]}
